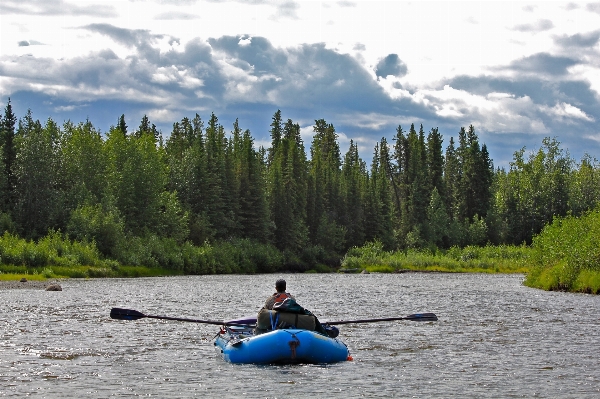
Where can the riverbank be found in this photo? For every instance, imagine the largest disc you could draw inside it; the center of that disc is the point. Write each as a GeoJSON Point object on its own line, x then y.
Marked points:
{"type": "Point", "coordinates": [28, 285]}
{"type": "Point", "coordinates": [489, 259]}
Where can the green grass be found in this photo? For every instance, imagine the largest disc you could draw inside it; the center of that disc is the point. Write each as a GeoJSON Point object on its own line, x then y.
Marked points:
{"type": "Point", "coordinates": [11, 272]}
{"type": "Point", "coordinates": [489, 259]}
{"type": "Point", "coordinates": [566, 255]}
{"type": "Point", "coordinates": [17, 277]}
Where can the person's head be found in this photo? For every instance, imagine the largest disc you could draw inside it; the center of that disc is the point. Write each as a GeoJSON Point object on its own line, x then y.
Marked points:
{"type": "Point", "coordinates": [280, 285]}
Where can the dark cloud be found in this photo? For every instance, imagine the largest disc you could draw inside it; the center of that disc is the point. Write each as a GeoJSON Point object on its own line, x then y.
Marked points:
{"type": "Point", "coordinates": [539, 26]}
{"type": "Point", "coordinates": [127, 37]}
{"type": "Point", "coordinates": [542, 63]}
{"type": "Point", "coordinates": [391, 65]}
{"type": "Point", "coordinates": [25, 43]}
{"type": "Point", "coordinates": [309, 76]}
{"type": "Point", "coordinates": [589, 39]}
{"type": "Point", "coordinates": [55, 7]}
{"type": "Point", "coordinates": [140, 39]}
{"type": "Point", "coordinates": [539, 90]}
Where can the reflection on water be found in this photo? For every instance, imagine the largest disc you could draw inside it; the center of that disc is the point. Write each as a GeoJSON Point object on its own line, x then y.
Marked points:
{"type": "Point", "coordinates": [494, 338]}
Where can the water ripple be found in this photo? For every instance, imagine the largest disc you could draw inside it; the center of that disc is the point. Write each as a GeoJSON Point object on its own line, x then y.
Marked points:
{"type": "Point", "coordinates": [494, 338]}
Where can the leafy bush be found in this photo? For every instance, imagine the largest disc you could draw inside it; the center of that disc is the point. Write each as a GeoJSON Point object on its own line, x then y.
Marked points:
{"type": "Point", "coordinates": [93, 223]}
{"type": "Point", "coordinates": [247, 256]}
{"type": "Point", "coordinates": [566, 255]}
{"type": "Point", "coordinates": [469, 259]}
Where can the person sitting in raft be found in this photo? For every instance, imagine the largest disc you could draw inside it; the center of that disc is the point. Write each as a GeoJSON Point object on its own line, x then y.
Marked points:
{"type": "Point", "coordinates": [282, 311]}
{"type": "Point", "coordinates": [279, 296]}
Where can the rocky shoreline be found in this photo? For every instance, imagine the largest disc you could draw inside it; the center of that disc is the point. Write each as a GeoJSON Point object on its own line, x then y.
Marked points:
{"type": "Point", "coordinates": [32, 285]}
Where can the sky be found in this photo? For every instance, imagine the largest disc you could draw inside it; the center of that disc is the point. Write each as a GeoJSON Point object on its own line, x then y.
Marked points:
{"type": "Point", "coordinates": [517, 71]}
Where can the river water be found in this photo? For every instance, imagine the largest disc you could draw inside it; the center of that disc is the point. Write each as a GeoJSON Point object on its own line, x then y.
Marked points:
{"type": "Point", "coordinates": [494, 338]}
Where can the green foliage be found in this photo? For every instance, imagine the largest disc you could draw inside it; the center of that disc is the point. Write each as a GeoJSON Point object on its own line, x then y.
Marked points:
{"type": "Point", "coordinates": [247, 256]}
{"type": "Point", "coordinates": [52, 250]}
{"type": "Point", "coordinates": [92, 223]}
{"type": "Point", "coordinates": [37, 175]}
{"type": "Point", "coordinates": [566, 254]}
{"type": "Point", "coordinates": [488, 259]}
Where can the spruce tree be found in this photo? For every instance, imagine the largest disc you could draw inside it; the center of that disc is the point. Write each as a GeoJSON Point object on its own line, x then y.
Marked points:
{"type": "Point", "coordinates": [435, 162]}
{"type": "Point", "coordinates": [354, 182]}
{"type": "Point", "coordinates": [9, 156]}
{"type": "Point", "coordinates": [37, 176]}
{"type": "Point", "coordinates": [121, 125]}
{"type": "Point", "coordinates": [325, 162]}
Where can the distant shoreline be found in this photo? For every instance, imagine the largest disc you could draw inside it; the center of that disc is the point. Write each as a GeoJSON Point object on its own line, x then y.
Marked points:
{"type": "Point", "coordinates": [29, 284]}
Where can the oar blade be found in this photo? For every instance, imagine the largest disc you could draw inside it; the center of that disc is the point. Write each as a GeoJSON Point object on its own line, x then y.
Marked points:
{"type": "Point", "coordinates": [421, 317]}
{"type": "Point", "coordinates": [125, 314]}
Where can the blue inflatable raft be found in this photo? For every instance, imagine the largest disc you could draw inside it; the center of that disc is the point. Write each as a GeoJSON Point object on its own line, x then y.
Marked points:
{"type": "Point", "coordinates": [239, 345]}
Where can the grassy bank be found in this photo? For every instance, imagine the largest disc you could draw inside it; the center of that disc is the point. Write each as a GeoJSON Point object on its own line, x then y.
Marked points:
{"type": "Point", "coordinates": [566, 255]}
{"type": "Point", "coordinates": [488, 259]}
{"type": "Point", "coordinates": [56, 256]}
{"type": "Point", "coordinates": [11, 272]}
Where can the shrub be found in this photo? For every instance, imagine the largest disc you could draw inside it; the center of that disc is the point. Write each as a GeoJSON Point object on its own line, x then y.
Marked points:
{"type": "Point", "coordinates": [566, 254]}
{"type": "Point", "coordinates": [93, 223]}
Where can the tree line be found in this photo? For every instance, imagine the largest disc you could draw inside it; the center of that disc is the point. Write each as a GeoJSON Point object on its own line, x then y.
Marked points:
{"type": "Point", "coordinates": [203, 184]}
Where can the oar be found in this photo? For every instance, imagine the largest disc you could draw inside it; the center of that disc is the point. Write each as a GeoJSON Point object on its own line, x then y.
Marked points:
{"type": "Point", "coordinates": [130, 314]}
{"type": "Point", "coordinates": [412, 317]}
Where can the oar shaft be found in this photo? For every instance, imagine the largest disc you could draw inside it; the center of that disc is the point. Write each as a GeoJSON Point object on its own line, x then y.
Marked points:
{"type": "Point", "coordinates": [218, 323]}
{"type": "Point", "coordinates": [130, 314]}
{"type": "Point", "coordinates": [215, 322]}
{"type": "Point", "coordinates": [415, 317]}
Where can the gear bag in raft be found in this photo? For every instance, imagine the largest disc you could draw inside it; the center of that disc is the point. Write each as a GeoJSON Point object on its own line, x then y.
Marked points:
{"type": "Point", "coordinates": [293, 313]}
{"type": "Point", "coordinates": [272, 319]}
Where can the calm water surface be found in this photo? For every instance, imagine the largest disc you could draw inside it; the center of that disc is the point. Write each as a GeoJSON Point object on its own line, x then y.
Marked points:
{"type": "Point", "coordinates": [494, 338]}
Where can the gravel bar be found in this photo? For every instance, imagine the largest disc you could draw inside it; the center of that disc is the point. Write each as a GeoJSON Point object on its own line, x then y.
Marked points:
{"type": "Point", "coordinates": [31, 285]}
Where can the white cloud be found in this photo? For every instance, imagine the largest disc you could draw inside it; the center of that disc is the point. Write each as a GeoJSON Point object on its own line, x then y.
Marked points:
{"type": "Point", "coordinates": [369, 121]}
{"type": "Point", "coordinates": [593, 137]}
{"type": "Point", "coordinates": [161, 115]}
{"type": "Point", "coordinates": [566, 111]}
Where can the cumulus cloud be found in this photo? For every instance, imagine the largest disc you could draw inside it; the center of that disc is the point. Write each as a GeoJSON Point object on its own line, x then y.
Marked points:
{"type": "Point", "coordinates": [579, 40]}
{"type": "Point", "coordinates": [391, 65]}
{"type": "Point", "coordinates": [564, 111]}
{"type": "Point", "coordinates": [542, 63]}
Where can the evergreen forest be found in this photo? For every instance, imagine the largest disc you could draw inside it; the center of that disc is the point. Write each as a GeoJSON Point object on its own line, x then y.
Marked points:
{"type": "Point", "coordinates": [134, 197]}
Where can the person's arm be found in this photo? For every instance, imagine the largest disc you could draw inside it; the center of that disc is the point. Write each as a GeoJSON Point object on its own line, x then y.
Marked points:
{"type": "Point", "coordinates": [270, 302]}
